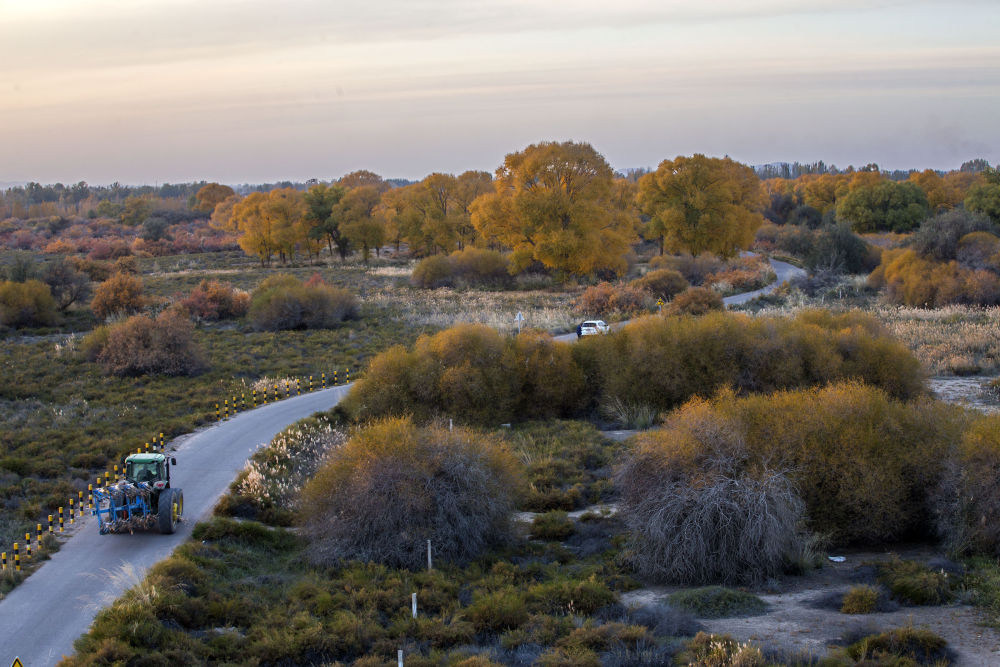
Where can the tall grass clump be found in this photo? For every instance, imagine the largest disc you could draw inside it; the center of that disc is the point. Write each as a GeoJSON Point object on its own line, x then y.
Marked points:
{"type": "Point", "coordinates": [393, 486]}
{"type": "Point", "coordinates": [284, 302]}
{"type": "Point", "coordinates": [471, 373]}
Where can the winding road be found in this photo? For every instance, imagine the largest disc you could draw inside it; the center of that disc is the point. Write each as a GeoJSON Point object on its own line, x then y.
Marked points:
{"type": "Point", "coordinates": [40, 619]}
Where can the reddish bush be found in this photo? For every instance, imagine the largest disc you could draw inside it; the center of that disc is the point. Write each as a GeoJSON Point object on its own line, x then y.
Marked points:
{"type": "Point", "coordinates": [142, 345]}
{"type": "Point", "coordinates": [695, 301]}
{"type": "Point", "coordinates": [606, 299]}
{"type": "Point", "coordinates": [60, 247]}
{"type": "Point", "coordinates": [212, 300]}
{"type": "Point", "coordinates": [119, 294]}
{"type": "Point", "coordinates": [694, 269]}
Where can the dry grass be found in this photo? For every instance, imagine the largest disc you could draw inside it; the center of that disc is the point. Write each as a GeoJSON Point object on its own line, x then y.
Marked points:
{"type": "Point", "coordinates": [445, 307]}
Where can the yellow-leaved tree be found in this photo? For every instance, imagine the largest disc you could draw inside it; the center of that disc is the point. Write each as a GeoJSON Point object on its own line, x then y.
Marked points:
{"type": "Point", "coordinates": [701, 204]}
{"type": "Point", "coordinates": [555, 203]}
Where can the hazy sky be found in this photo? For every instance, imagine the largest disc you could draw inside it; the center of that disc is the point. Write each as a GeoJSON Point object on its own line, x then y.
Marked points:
{"type": "Point", "coordinates": [145, 91]}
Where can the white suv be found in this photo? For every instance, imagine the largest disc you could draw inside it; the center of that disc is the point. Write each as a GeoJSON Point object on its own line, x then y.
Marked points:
{"type": "Point", "coordinates": [591, 328]}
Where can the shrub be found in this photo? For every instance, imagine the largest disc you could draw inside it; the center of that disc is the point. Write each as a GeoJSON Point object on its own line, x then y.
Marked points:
{"type": "Point", "coordinates": [553, 525]}
{"type": "Point", "coordinates": [68, 285]}
{"type": "Point", "coordinates": [860, 600]}
{"type": "Point", "coordinates": [939, 236]}
{"type": "Point", "coordinates": [717, 602]}
{"type": "Point", "coordinates": [26, 304]}
{"type": "Point", "coordinates": [695, 301]}
{"type": "Point", "coordinates": [472, 373]}
{"type": "Point", "coordinates": [914, 583]}
{"type": "Point", "coordinates": [863, 463]}
{"type": "Point", "coordinates": [708, 650]}
{"type": "Point", "coordinates": [96, 271]}
{"type": "Point", "coordinates": [394, 486]}
{"type": "Point", "coordinates": [120, 294]}
{"type": "Point", "coordinates": [900, 647]}
{"type": "Point", "coordinates": [606, 299]}
{"type": "Point", "coordinates": [968, 500]}
{"type": "Point", "coordinates": [838, 249]}
{"type": "Point", "coordinates": [498, 611]}
{"type": "Point", "coordinates": [694, 269]}
{"type": "Point", "coordinates": [662, 283]}
{"type": "Point", "coordinates": [979, 250]}
{"type": "Point", "coordinates": [284, 302]}
{"type": "Point", "coordinates": [433, 271]}
{"type": "Point", "coordinates": [212, 300]}
{"type": "Point", "coordinates": [697, 512]}
{"type": "Point", "coordinates": [141, 345]}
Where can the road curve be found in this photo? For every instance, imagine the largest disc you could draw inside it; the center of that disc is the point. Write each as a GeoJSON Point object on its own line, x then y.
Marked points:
{"type": "Point", "coordinates": [40, 619]}
{"type": "Point", "coordinates": [783, 270]}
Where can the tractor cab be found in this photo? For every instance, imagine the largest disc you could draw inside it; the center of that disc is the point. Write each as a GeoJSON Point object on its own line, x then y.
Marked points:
{"type": "Point", "coordinates": [153, 469]}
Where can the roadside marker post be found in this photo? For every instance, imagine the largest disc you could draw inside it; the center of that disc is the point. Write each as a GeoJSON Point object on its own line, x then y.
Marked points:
{"type": "Point", "coordinates": [244, 397]}
{"type": "Point", "coordinates": [216, 412]}
{"type": "Point", "coordinates": [335, 378]}
{"type": "Point", "coordinates": [310, 383]}
{"type": "Point", "coordinates": [17, 558]}
{"type": "Point", "coordinates": [27, 549]}
{"type": "Point", "coordinates": [62, 525]}
{"type": "Point", "coordinates": [324, 380]}
{"type": "Point", "coordinates": [90, 496]}
{"type": "Point", "coordinates": [50, 524]}
{"type": "Point", "coordinates": [286, 389]}
{"type": "Point", "coordinates": [298, 388]}
{"type": "Point", "coordinates": [79, 504]}
{"type": "Point", "coordinates": [254, 394]}
{"type": "Point", "coordinates": [147, 448]}
{"type": "Point", "coordinates": [3, 560]}
{"type": "Point", "coordinates": [72, 520]}
{"type": "Point", "coordinates": [347, 379]}
{"type": "Point", "coordinates": [161, 442]}
{"type": "Point", "coordinates": [38, 535]}
{"type": "Point", "coordinates": [226, 409]}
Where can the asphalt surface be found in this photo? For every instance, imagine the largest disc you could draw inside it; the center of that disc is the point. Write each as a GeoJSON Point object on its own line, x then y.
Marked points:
{"type": "Point", "coordinates": [783, 270]}
{"type": "Point", "coordinates": [40, 619]}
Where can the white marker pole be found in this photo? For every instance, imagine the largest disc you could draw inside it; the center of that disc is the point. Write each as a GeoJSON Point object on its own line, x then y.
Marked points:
{"type": "Point", "coordinates": [414, 605]}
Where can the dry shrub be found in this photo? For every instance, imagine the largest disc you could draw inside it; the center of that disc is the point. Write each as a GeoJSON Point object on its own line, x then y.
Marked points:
{"type": "Point", "coordinates": [661, 283]}
{"type": "Point", "coordinates": [914, 281]}
{"type": "Point", "coordinates": [470, 266]}
{"type": "Point", "coordinates": [699, 511]}
{"type": "Point", "coordinates": [61, 247]}
{"type": "Point", "coordinates": [978, 250]}
{"type": "Point", "coordinates": [26, 304]}
{"type": "Point", "coordinates": [860, 600]}
{"type": "Point", "coordinates": [212, 300]}
{"type": "Point", "coordinates": [393, 486]}
{"type": "Point", "coordinates": [694, 269]}
{"type": "Point", "coordinates": [284, 302]}
{"type": "Point", "coordinates": [695, 301]}
{"type": "Point", "coordinates": [969, 496]}
{"type": "Point", "coordinates": [141, 345]}
{"type": "Point", "coordinates": [607, 299]}
{"type": "Point", "coordinates": [120, 294]}
{"type": "Point", "coordinates": [96, 271]}
{"type": "Point", "coordinates": [473, 374]}
{"type": "Point", "coordinates": [863, 463]}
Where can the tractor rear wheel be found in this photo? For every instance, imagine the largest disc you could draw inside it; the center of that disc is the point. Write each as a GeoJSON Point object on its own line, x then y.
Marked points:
{"type": "Point", "coordinates": [165, 512]}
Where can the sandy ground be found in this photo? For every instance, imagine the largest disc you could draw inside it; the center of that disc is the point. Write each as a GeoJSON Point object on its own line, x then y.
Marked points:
{"type": "Point", "coordinates": [794, 624]}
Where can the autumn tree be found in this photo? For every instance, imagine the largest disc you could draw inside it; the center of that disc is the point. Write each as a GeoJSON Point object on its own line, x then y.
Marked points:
{"type": "Point", "coordinates": [362, 222]}
{"type": "Point", "coordinates": [323, 217]}
{"type": "Point", "coordinates": [985, 199]}
{"type": "Point", "coordinates": [885, 206]}
{"type": "Point", "coordinates": [222, 215]}
{"type": "Point", "coordinates": [468, 186]}
{"type": "Point", "coordinates": [361, 177]}
{"type": "Point", "coordinates": [700, 204]}
{"type": "Point", "coordinates": [256, 234]}
{"type": "Point", "coordinates": [137, 209]}
{"type": "Point", "coordinates": [120, 294]}
{"type": "Point", "coordinates": [941, 195]}
{"type": "Point", "coordinates": [285, 208]}
{"type": "Point", "coordinates": [554, 203]}
{"type": "Point", "coordinates": [210, 196]}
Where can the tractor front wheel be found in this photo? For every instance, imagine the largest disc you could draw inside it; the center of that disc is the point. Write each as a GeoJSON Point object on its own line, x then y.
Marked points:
{"type": "Point", "coordinates": [166, 518]}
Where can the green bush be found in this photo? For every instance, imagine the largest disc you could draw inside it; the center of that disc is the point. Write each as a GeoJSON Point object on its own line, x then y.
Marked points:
{"type": "Point", "coordinates": [470, 266]}
{"type": "Point", "coordinates": [914, 583]}
{"type": "Point", "coordinates": [695, 301]}
{"type": "Point", "coordinates": [27, 304]}
{"type": "Point", "coordinates": [433, 271]}
{"type": "Point", "coordinates": [498, 611]}
{"type": "Point", "coordinates": [717, 602]}
{"type": "Point", "coordinates": [394, 486]}
{"type": "Point", "coordinates": [902, 646]}
{"type": "Point", "coordinates": [860, 600]}
{"type": "Point", "coordinates": [284, 302]}
{"type": "Point", "coordinates": [555, 525]}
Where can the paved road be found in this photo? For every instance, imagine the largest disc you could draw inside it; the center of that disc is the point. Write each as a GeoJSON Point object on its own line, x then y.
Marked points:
{"type": "Point", "coordinates": [783, 270]}
{"type": "Point", "coordinates": [40, 619]}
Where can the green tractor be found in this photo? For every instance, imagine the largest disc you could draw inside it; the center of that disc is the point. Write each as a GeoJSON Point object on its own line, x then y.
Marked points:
{"type": "Point", "coordinates": [143, 500]}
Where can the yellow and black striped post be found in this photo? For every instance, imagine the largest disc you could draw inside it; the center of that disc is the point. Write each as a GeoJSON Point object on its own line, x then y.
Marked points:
{"type": "Point", "coordinates": [90, 496]}
{"type": "Point", "coordinates": [254, 395]}
{"type": "Point", "coordinates": [62, 522]}
{"type": "Point", "coordinates": [243, 396]}
{"type": "Point", "coordinates": [27, 547]}
{"type": "Point", "coordinates": [79, 505]}
{"type": "Point", "coordinates": [334, 378]}
{"type": "Point", "coordinates": [147, 447]}
{"type": "Point", "coordinates": [298, 387]}
{"type": "Point", "coordinates": [347, 378]}
{"type": "Point", "coordinates": [3, 560]}
{"type": "Point", "coordinates": [38, 535]}
{"type": "Point", "coordinates": [116, 472]}
{"type": "Point", "coordinates": [72, 518]}
{"type": "Point", "coordinates": [310, 383]}
{"type": "Point", "coordinates": [225, 410]}
{"type": "Point", "coordinates": [50, 524]}
{"type": "Point", "coordinates": [234, 405]}
{"type": "Point", "coordinates": [17, 558]}
{"type": "Point", "coordinates": [265, 395]}
{"type": "Point", "coordinates": [323, 380]}
{"type": "Point", "coordinates": [162, 446]}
